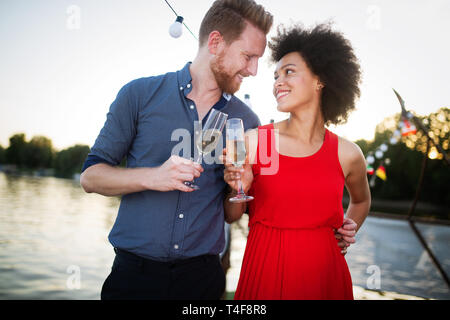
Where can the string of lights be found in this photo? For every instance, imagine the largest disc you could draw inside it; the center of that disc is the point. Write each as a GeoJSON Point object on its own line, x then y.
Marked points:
{"type": "Point", "coordinates": [179, 20]}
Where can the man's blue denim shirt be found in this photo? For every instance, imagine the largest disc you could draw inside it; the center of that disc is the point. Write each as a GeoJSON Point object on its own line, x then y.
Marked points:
{"type": "Point", "coordinates": [140, 124]}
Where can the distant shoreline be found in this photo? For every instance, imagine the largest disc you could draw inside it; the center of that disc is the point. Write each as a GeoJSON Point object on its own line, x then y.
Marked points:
{"type": "Point", "coordinates": [399, 209]}
{"type": "Point", "coordinates": [395, 209]}
{"type": "Point", "coordinates": [44, 172]}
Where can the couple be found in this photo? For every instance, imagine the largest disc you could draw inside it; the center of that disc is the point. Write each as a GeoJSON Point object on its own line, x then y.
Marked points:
{"type": "Point", "coordinates": [167, 237]}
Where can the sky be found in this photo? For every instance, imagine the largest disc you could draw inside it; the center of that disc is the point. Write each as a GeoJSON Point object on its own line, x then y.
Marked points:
{"type": "Point", "coordinates": [63, 62]}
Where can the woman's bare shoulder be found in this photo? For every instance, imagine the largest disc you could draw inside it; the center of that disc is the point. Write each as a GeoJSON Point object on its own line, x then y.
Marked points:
{"type": "Point", "coordinates": [349, 149]}
{"type": "Point", "coordinates": [350, 156]}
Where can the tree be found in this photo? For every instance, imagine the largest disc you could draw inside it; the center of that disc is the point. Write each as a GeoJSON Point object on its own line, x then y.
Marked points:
{"type": "Point", "coordinates": [70, 161]}
{"type": "Point", "coordinates": [39, 153]}
{"type": "Point", "coordinates": [406, 158]}
{"type": "Point", "coordinates": [2, 155]}
{"type": "Point", "coordinates": [364, 145]}
{"type": "Point", "coordinates": [15, 153]}
{"type": "Point", "coordinates": [438, 124]}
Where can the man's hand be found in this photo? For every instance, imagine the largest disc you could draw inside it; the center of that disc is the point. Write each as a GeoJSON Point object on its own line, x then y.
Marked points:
{"type": "Point", "coordinates": [346, 234]}
{"type": "Point", "coordinates": [172, 174]}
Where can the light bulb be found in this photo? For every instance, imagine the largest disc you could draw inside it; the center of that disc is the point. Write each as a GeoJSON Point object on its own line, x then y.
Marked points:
{"type": "Point", "coordinates": [176, 29]}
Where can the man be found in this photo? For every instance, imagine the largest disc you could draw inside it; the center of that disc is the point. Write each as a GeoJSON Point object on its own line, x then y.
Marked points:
{"type": "Point", "coordinates": [166, 237]}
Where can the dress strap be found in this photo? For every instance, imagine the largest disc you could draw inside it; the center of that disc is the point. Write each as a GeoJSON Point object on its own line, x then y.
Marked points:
{"type": "Point", "coordinates": [333, 153]}
{"type": "Point", "coordinates": [333, 143]}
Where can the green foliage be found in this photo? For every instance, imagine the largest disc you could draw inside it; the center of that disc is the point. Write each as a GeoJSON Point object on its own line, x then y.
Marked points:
{"type": "Point", "coordinates": [402, 174]}
{"type": "Point", "coordinates": [2, 155]}
{"type": "Point", "coordinates": [15, 153]}
{"type": "Point", "coordinates": [364, 145]}
{"type": "Point", "coordinates": [406, 158]}
{"type": "Point", "coordinates": [69, 161]}
{"type": "Point", "coordinates": [438, 124]}
{"type": "Point", "coordinates": [38, 153]}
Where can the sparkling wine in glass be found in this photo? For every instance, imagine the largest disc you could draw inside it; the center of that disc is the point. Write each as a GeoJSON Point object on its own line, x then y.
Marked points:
{"type": "Point", "coordinates": [236, 153]}
{"type": "Point", "coordinates": [208, 139]}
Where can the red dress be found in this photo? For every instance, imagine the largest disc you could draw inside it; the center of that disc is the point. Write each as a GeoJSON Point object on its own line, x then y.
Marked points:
{"type": "Point", "coordinates": [291, 251]}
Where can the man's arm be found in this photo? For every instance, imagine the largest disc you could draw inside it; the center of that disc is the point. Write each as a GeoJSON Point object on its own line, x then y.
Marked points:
{"type": "Point", "coordinates": [101, 173]}
{"type": "Point", "coordinates": [113, 181]}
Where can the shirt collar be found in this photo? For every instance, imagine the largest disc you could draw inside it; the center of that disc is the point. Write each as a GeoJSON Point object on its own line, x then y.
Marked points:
{"type": "Point", "coordinates": [185, 79]}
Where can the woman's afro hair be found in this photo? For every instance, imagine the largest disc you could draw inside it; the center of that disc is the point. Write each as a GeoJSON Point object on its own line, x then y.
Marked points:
{"type": "Point", "coordinates": [330, 56]}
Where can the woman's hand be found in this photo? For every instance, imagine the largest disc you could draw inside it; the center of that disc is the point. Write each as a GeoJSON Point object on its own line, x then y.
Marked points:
{"type": "Point", "coordinates": [232, 174]}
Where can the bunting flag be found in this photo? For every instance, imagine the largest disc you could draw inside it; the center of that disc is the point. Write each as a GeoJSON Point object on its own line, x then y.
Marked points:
{"type": "Point", "coordinates": [381, 173]}
{"type": "Point", "coordinates": [405, 127]}
{"type": "Point", "coordinates": [408, 128]}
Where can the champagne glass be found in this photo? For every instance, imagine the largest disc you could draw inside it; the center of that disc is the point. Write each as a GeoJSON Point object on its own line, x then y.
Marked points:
{"type": "Point", "coordinates": [236, 153]}
{"type": "Point", "coordinates": [209, 137]}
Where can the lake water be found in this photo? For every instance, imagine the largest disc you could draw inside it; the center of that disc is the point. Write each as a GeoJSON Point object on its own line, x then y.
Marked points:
{"type": "Point", "coordinates": [53, 245]}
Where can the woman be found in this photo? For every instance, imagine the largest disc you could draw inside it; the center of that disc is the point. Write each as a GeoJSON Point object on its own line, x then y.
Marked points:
{"type": "Point", "coordinates": [291, 250]}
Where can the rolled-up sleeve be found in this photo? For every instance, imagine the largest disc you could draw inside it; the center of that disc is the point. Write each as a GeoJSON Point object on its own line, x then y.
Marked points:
{"type": "Point", "coordinates": [119, 130]}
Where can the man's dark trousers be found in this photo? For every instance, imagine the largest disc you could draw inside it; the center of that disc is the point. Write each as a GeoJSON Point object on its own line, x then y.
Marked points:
{"type": "Point", "coordinates": [133, 277]}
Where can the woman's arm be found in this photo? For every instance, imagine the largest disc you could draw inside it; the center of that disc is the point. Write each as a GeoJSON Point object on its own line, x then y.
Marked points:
{"type": "Point", "coordinates": [234, 211]}
{"type": "Point", "coordinates": [354, 168]}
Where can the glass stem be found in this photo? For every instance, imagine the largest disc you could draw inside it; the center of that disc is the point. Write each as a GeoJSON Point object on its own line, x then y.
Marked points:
{"type": "Point", "coordinates": [241, 189]}
{"type": "Point", "coordinates": [198, 161]}
{"type": "Point", "coordinates": [199, 158]}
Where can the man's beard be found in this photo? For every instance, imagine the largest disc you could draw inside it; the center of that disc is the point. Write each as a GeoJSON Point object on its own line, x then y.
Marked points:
{"type": "Point", "coordinates": [225, 81]}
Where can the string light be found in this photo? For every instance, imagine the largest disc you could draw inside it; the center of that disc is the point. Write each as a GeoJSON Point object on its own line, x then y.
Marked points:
{"type": "Point", "coordinates": [175, 29]}
{"type": "Point", "coordinates": [404, 128]}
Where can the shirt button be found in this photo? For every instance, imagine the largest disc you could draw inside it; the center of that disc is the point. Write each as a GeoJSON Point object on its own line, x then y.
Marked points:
{"type": "Point", "coordinates": [176, 247]}
{"type": "Point", "coordinates": [181, 88]}
{"type": "Point", "coordinates": [192, 107]}
{"type": "Point", "coordinates": [181, 216]}
{"type": "Point", "coordinates": [188, 85]}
